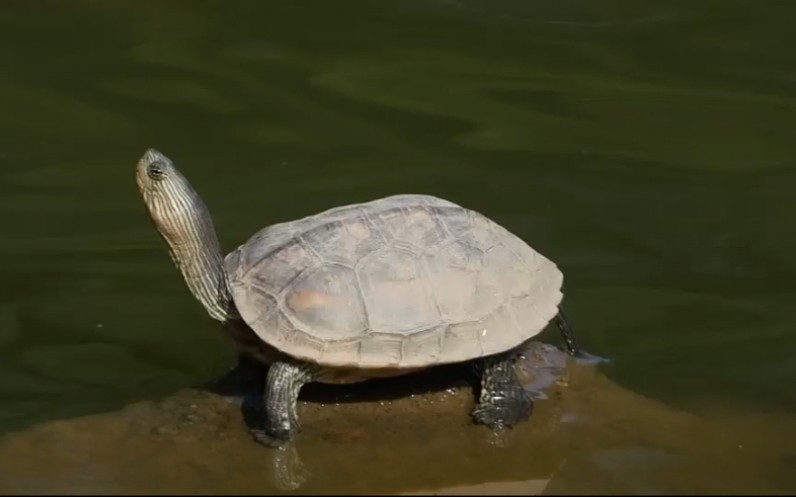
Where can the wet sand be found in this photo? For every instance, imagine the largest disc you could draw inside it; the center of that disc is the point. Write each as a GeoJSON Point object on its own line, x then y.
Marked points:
{"type": "Point", "coordinates": [588, 435]}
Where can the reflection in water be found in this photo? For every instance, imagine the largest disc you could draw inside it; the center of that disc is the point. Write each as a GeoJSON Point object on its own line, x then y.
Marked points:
{"type": "Point", "coordinates": [289, 472]}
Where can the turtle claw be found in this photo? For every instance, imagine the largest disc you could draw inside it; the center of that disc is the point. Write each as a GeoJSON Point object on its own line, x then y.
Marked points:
{"type": "Point", "coordinates": [272, 440]}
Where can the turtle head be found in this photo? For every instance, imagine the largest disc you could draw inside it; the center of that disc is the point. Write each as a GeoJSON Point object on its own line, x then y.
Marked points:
{"type": "Point", "coordinates": [168, 196]}
{"type": "Point", "coordinates": [184, 222]}
{"type": "Point", "coordinates": [152, 169]}
{"type": "Point", "coordinates": [174, 206]}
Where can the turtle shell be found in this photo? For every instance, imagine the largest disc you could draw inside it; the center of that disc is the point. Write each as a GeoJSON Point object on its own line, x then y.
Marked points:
{"type": "Point", "coordinates": [404, 281]}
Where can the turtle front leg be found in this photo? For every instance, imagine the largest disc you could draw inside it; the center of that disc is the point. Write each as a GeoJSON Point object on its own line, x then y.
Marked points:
{"type": "Point", "coordinates": [503, 401]}
{"type": "Point", "coordinates": [282, 385]}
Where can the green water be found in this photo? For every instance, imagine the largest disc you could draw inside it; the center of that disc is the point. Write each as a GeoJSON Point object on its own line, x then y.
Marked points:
{"type": "Point", "coordinates": [646, 147]}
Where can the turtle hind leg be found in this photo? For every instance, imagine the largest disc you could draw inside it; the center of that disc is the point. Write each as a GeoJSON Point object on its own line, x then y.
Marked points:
{"type": "Point", "coordinates": [503, 402]}
{"type": "Point", "coordinates": [282, 385]}
{"type": "Point", "coordinates": [573, 348]}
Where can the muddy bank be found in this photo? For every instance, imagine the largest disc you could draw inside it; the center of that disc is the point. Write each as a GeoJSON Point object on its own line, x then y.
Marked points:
{"type": "Point", "coordinates": [384, 436]}
{"type": "Point", "coordinates": [407, 436]}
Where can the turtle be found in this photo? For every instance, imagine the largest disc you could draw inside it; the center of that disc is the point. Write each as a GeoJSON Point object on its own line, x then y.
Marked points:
{"type": "Point", "coordinates": [379, 288]}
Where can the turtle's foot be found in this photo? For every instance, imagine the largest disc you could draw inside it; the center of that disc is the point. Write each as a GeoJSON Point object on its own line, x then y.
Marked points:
{"type": "Point", "coordinates": [503, 402]}
{"type": "Point", "coordinates": [503, 413]}
{"type": "Point", "coordinates": [273, 439]}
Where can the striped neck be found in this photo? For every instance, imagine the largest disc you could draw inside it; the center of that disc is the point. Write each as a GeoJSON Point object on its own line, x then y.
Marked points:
{"type": "Point", "coordinates": [197, 254]}
{"type": "Point", "coordinates": [184, 222]}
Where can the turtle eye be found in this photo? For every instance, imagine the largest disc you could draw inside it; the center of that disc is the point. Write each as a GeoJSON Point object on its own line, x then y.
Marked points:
{"type": "Point", "coordinates": [155, 170]}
